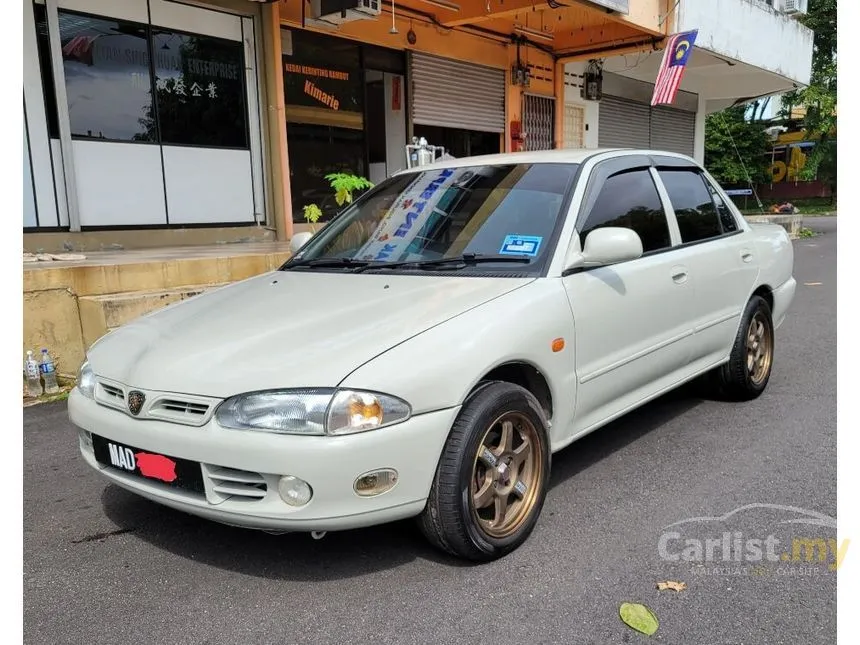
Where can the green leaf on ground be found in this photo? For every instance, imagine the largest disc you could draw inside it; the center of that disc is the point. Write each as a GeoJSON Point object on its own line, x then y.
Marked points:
{"type": "Point", "coordinates": [639, 617]}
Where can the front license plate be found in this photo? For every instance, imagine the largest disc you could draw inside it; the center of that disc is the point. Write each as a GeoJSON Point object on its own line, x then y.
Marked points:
{"type": "Point", "coordinates": [179, 473]}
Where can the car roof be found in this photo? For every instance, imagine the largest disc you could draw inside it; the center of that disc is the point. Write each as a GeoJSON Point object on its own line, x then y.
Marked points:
{"type": "Point", "coordinates": [567, 155]}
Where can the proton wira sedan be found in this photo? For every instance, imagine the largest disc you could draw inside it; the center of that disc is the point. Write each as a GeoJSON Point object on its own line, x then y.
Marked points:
{"type": "Point", "coordinates": [424, 354]}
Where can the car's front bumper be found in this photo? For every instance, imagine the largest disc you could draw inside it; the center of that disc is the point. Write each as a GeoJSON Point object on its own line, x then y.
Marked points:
{"type": "Point", "coordinates": [329, 464]}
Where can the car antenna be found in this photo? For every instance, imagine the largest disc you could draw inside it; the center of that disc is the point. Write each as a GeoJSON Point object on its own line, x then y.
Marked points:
{"type": "Point", "coordinates": [741, 159]}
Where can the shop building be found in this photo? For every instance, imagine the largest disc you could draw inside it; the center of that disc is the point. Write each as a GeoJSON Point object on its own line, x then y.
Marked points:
{"type": "Point", "coordinates": [762, 51]}
{"type": "Point", "coordinates": [172, 119]}
{"type": "Point", "coordinates": [141, 114]}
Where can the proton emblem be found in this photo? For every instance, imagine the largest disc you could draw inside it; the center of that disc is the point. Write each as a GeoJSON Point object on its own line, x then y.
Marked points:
{"type": "Point", "coordinates": [135, 401]}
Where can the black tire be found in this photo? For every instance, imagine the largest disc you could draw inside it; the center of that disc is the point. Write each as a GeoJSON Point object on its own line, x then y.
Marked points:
{"type": "Point", "coordinates": [450, 520]}
{"type": "Point", "coordinates": [735, 380]}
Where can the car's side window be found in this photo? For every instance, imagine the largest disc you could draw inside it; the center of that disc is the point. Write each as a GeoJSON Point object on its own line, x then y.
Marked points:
{"type": "Point", "coordinates": [694, 208]}
{"type": "Point", "coordinates": [630, 200]}
{"type": "Point", "coordinates": [727, 219]}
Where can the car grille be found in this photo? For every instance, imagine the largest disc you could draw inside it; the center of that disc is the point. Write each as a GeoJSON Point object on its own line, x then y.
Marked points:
{"type": "Point", "coordinates": [179, 411]}
{"type": "Point", "coordinates": [235, 485]}
{"type": "Point", "coordinates": [176, 408]}
{"type": "Point", "coordinates": [115, 394]}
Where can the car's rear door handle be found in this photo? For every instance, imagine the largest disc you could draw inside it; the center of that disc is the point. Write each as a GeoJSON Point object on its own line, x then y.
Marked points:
{"type": "Point", "coordinates": [746, 255]}
{"type": "Point", "coordinates": [679, 274]}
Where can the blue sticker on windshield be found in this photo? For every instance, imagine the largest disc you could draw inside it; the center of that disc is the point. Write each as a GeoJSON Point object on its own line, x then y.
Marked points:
{"type": "Point", "coordinates": [521, 245]}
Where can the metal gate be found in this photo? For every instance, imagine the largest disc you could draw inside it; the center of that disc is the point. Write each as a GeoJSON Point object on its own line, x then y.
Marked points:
{"type": "Point", "coordinates": [538, 122]}
{"type": "Point", "coordinates": [453, 94]}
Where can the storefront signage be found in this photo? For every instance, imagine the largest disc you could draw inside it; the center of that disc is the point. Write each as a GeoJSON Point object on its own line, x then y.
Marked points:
{"type": "Point", "coordinates": [307, 70]}
{"type": "Point", "coordinates": [178, 87]}
{"type": "Point", "coordinates": [395, 93]}
{"type": "Point", "coordinates": [326, 99]}
{"type": "Point", "coordinates": [312, 86]}
{"type": "Point", "coordinates": [621, 6]}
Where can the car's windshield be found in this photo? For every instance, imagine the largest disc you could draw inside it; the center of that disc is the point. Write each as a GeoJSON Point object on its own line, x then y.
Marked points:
{"type": "Point", "coordinates": [493, 213]}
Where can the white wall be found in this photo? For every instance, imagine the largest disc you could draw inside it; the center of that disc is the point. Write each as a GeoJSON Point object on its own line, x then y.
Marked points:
{"type": "Point", "coordinates": [592, 108]}
{"type": "Point", "coordinates": [751, 32]}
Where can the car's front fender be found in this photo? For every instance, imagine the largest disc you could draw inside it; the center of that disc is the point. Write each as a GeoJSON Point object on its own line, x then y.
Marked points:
{"type": "Point", "coordinates": [438, 368]}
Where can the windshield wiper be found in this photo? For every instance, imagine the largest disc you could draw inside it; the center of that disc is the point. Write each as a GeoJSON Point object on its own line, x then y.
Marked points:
{"type": "Point", "coordinates": [325, 263]}
{"type": "Point", "coordinates": [460, 262]}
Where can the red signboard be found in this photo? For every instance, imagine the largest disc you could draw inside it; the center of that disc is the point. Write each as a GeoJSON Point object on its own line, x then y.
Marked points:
{"type": "Point", "coordinates": [395, 93]}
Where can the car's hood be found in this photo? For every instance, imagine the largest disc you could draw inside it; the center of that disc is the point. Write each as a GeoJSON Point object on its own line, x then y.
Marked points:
{"type": "Point", "coordinates": [284, 329]}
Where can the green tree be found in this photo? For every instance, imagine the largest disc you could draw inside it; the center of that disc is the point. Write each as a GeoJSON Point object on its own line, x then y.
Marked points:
{"type": "Point", "coordinates": [819, 98]}
{"type": "Point", "coordinates": [735, 146]}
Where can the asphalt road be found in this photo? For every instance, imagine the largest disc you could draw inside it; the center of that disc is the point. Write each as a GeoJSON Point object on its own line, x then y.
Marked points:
{"type": "Point", "coordinates": [103, 566]}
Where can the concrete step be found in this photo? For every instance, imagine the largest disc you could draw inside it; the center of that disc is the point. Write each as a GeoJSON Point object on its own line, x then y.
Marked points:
{"type": "Point", "coordinates": [69, 304]}
{"type": "Point", "coordinates": [126, 271]}
{"type": "Point", "coordinates": [101, 314]}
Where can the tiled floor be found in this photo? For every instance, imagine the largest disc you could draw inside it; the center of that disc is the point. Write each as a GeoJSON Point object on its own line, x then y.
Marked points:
{"type": "Point", "coordinates": [105, 258]}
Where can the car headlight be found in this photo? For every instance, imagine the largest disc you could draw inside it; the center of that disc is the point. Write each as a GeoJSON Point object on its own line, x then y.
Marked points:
{"type": "Point", "coordinates": [87, 380]}
{"type": "Point", "coordinates": [312, 411]}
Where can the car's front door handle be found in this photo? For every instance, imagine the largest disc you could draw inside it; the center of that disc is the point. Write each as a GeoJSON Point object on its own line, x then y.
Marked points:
{"type": "Point", "coordinates": [679, 275]}
{"type": "Point", "coordinates": [746, 255]}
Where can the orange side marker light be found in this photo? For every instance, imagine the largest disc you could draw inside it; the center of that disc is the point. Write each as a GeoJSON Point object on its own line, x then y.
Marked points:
{"type": "Point", "coordinates": [558, 344]}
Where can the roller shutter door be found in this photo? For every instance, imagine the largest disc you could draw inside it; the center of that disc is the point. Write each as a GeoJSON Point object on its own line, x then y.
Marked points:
{"type": "Point", "coordinates": [628, 124]}
{"type": "Point", "coordinates": [673, 130]}
{"type": "Point", "coordinates": [453, 94]}
{"type": "Point", "coordinates": [623, 124]}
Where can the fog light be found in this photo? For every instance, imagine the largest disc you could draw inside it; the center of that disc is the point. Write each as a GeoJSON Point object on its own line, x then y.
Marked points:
{"type": "Point", "coordinates": [294, 491]}
{"type": "Point", "coordinates": [86, 440]}
{"type": "Point", "coordinates": [375, 482]}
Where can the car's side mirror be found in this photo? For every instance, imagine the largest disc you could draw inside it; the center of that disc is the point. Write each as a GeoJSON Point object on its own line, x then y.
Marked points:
{"type": "Point", "coordinates": [605, 246]}
{"type": "Point", "coordinates": [298, 241]}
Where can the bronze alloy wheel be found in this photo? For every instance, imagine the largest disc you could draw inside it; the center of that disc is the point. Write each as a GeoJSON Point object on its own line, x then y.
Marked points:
{"type": "Point", "coordinates": [490, 483]}
{"type": "Point", "coordinates": [759, 348]}
{"type": "Point", "coordinates": [507, 475]}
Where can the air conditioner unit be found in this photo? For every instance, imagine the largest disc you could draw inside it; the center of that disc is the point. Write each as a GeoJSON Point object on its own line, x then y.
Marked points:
{"type": "Point", "coordinates": [337, 12]}
{"type": "Point", "coordinates": [793, 7]}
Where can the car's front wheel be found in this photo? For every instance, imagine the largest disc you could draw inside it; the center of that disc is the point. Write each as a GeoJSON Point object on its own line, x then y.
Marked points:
{"type": "Point", "coordinates": [491, 480]}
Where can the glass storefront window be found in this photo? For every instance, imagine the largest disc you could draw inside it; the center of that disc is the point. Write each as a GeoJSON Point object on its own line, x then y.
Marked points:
{"type": "Point", "coordinates": [316, 151]}
{"type": "Point", "coordinates": [199, 83]}
{"type": "Point", "coordinates": [108, 84]}
{"type": "Point", "coordinates": [42, 43]}
{"type": "Point", "coordinates": [200, 90]}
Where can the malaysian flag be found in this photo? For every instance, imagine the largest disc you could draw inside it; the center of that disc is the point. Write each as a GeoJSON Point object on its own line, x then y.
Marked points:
{"type": "Point", "coordinates": [675, 58]}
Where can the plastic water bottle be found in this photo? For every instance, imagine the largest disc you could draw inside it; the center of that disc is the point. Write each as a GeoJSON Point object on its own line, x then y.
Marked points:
{"type": "Point", "coordinates": [31, 368]}
{"type": "Point", "coordinates": [49, 373]}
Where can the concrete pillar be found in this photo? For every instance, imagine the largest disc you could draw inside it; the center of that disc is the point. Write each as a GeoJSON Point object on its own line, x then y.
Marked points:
{"type": "Point", "coordinates": [279, 159]}
{"type": "Point", "coordinates": [699, 139]}
{"type": "Point", "coordinates": [558, 82]}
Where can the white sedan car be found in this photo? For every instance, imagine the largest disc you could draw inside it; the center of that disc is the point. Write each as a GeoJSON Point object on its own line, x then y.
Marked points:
{"type": "Point", "coordinates": [426, 352]}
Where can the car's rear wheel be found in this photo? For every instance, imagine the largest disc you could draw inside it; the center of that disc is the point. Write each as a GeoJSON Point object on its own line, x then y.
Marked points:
{"type": "Point", "coordinates": [491, 480]}
{"type": "Point", "coordinates": [747, 373]}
